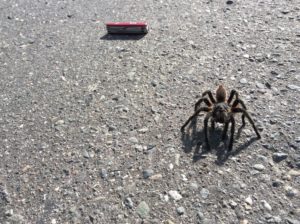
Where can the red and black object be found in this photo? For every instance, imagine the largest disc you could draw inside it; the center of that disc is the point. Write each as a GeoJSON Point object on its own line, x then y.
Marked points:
{"type": "Point", "coordinates": [127, 28]}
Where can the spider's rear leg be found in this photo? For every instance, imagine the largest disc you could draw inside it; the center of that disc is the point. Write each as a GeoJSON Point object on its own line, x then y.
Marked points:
{"type": "Point", "coordinates": [206, 101]}
{"type": "Point", "coordinates": [206, 109]}
{"type": "Point", "coordinates": [245, 113]}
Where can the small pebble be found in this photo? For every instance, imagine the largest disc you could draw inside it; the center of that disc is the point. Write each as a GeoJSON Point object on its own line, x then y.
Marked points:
{"type": "Point", "coordinates": [103, 173]}
{"type": "Point", "coordinates": [154, 83]}
{"type": "Point", "coordinates": [9, 212]}
{"type": "Point", "coordinates": [294, 173]}
{"type": "Point", "coordinates": [168, 221]}
{"type": "Point", "coordinates": [229, 2]}
{"type": "Point", "coordinates": [194, 186]}
{"type": "Point", "coordinates": [59, 122]}
{"type": "Point", "coordinates": [260, 85]}
{"type": "Point", "coordinates": [249, 200]}
{"type": "Point", "coordinates": [175, 195]}
{"type": "Point", "coordinates": [133, 140]}
{"type": "Point", "coordinates": [200, 215]}
{"type": "Point", "coordinates": [244, 221]}
{"type": "Point", "coordinates": [243, 81]}
{"type": "Point", "coordinates": [143, 210]}
{"type": "Point", "coordinates": [293, 87]}
{"type": "Point", "coordinates": [143, 130]}
{"type": "Point", "coordinates": [259, 167]}
{"type": "Point", "coordinates": [86, 154]}
{"type": "Point", "coordinates": [177, 157]}
{"type": "Point", "coordinates": [4, 195]}
{"type": "Point", "coordinates": [274, 219]}
{"type": "Point", "coordinates": [287, 177]}
{"type": "Point", "coordinates": [291, 192]}
{"type": "Point", "coordinates": [204, 193]}
{"type": "Point", "coordinates": [148, 173]}
{"type": "Point", "coordinates": [16, 218]}
{"type": "Point", "coordinates": [279, 156]}
{"type": "Point", "coordinates": [296, 212]}
{"type": "Point", "coordinates": [232, 204]}
{"type": "Point", "coordinates": [277, 183]}
{"type": "Point", "coordinates": [128, 202]}
{"type": "Point", "coordinates": [184, 177]}
{"type": "Point", "coordinates": [156, 177]}
{"type": "Point", "coordinates": [180, 210]}
{"type": "Point", "coordinates": [292, 221]}
{"type": "Point", "coordinates": [165, 198]}
{"type": "Point", "coordinates": [266, 205]}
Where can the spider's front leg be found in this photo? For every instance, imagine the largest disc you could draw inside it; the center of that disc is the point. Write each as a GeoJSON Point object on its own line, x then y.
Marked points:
{"type": "Point", "coordinates": [206, 101]}
{"type": "Point", "coordinates": [245, 113]}
{"type": "Point", "coordinates": [206, 130]}
{"type": "Point", "coordinates": [237, 99]}
{"type": "Point", "coordinates": [236, 102]}
{"type": "Point", "coordinates": [206, 109]}
{"type": "Point", "coordinates": [231, 133]}
{"type": "Point", "coordinates": [241, 102]}
{"type": "Point", "coordinates": [232, 94]}
{"type": "Point", "coordinates": [211, 97]}
{"type": "Point", "coordinates": [213, 124]}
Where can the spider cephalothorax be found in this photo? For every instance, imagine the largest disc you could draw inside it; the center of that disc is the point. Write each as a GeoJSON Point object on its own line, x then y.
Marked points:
{"type": "Point", "coordinates": [221, 110]}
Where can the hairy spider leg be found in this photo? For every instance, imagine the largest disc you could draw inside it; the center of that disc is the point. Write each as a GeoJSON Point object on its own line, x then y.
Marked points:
{"type": "Point", "coordinates": [205, 100]}
{"type": "Point", "coordinates": [232, 133]}
{"type": "Point", "coordinates": [240, 110]}
{"type": "Point", "coordinates": [232, 94]}
{"type": "Point", "coordinates": [206, 109]}
{"type": "Point", "coordinates": [211, 97]}
{"type": "Point", "coordinates": [235, 103]}
{"type": "Point", "coordinates": [212, 124]}
{"type": "Point", "coordinates": [206, 130]}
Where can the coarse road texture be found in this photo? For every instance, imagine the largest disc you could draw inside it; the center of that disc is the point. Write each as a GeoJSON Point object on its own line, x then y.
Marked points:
{"type": "Point", "coordinates": [90, 123]}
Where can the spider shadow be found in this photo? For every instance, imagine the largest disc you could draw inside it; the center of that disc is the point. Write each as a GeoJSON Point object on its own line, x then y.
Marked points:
{"type": "Point", "coordinates": [196, 140]}
{"type": "Point", "coordinates": [122, 36]}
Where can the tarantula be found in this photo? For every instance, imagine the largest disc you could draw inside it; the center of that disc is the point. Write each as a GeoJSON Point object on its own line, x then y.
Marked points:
{"type": "Point", "coordinates": [221, 111]}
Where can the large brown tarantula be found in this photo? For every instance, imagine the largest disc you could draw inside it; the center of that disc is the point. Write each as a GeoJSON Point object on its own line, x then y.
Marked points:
{"type": "Point", "coordinates": [221, 111]}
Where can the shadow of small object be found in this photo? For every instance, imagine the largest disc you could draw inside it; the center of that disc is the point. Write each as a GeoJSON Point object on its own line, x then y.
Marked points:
{"type": "Point", "coordinates": [122, 36]}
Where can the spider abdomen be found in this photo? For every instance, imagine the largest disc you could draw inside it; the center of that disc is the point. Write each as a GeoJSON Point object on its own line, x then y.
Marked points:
{"type": "Point", "coordinates": [221, 112]}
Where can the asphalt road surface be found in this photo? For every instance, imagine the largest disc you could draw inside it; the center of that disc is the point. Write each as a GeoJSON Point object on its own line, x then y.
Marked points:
{"type": "Point", "coordinates": [90, 122]}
